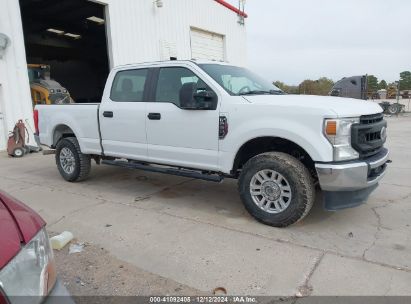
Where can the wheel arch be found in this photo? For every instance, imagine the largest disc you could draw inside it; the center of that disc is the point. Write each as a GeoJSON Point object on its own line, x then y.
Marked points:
{"type": "Point", "coordinates": [263, 144]}
{"type": "Point", "coordinates": [62, 131]}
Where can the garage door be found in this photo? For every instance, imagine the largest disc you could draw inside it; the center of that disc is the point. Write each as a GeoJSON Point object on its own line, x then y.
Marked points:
{"type": "Point", "coordinates": [206, 45]}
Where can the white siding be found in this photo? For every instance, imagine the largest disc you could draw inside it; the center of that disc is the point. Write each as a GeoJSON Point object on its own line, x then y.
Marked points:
{"type": "Point", "coordinates": [207, 45]}
{"type": "Point", "coordinates": [15, 99]}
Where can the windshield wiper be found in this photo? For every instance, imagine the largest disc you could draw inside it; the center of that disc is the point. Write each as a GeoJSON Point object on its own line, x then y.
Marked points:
{"type": "Point", "coordinates": [255, 92]}
{"type": "Point", "coordinates": [260, 92]}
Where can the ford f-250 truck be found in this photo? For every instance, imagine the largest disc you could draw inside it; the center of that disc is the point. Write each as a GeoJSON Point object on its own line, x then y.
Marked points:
{"type": "Point", "coordinates": [212, 120]}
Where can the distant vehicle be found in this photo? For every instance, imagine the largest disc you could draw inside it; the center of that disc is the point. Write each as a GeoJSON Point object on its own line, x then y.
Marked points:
{"type": "Point", "coordinates": [43, 89]}
{"type": "Point", "coordinates": [357, 87]}
{"type": "Point", "coordinates": [211, 120]}
{"type": "Point", "coordinates": [27, 268]}
{"type": "Point", "coordinates": [352, 87]}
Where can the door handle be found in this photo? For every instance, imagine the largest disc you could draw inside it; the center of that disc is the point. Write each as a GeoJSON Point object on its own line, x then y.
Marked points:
{"type": "Point", "coordinates": [154, 116]}
{"type": "Point", "coordinates": [108, 114]}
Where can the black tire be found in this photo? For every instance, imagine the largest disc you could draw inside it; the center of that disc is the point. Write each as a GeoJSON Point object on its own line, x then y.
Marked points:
{"type": "Point", "coordinates": [299, 180]}
{"type": "Point", "coordinates": [82, 162]}
{"type": "Point", "coordinates": [393, 109]}
{"type": "Point", "coordinates": [19, 152]}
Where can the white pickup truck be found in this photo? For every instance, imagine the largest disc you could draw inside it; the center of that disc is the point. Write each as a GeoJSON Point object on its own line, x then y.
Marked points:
{"type": "Point", "coordinates": [212, 120]}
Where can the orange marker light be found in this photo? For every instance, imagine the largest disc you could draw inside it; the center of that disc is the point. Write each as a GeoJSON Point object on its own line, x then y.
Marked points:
{"type": "Point", "coordinates": [331, 127]}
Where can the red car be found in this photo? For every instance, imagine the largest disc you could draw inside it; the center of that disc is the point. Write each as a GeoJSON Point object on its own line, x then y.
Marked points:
{"type": "Point", "coordinates": [27, 268]}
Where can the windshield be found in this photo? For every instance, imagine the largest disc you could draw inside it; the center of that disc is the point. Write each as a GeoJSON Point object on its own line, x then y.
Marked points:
{"type": "Point", "coordinates": [239, 81]}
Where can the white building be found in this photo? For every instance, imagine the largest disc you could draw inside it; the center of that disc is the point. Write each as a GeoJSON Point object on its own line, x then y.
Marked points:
{"type": "Point", "coordinates": [81, 40]}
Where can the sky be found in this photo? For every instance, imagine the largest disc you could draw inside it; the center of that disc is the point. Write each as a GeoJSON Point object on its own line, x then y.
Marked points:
{"type": "Point", "coordinates": [293, 40]}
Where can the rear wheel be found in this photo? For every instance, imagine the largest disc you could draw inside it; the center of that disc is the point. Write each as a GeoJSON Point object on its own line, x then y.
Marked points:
{"type": "Point", "coordinates": [73, 165]}
{"type": "Point", "coordinates": [276, 189]}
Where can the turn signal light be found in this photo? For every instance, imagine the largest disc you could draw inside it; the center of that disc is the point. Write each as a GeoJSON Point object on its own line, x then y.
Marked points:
{"type": "Point", "coordinates": [331, 127]}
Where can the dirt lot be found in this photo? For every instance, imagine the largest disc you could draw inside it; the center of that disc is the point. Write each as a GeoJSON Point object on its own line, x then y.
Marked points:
{"type": "Point", "coordinates": [152, 234]}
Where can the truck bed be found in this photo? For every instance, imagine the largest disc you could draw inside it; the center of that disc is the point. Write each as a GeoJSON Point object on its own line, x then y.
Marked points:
{"type": "Point", "coordinates": [81, 119]}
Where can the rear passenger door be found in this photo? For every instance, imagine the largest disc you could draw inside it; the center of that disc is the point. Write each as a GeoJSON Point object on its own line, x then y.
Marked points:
{"type": "Point", "coordinates": [123, 115]}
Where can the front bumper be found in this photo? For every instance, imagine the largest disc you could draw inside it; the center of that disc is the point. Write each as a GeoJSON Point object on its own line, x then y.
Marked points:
{"type": "Point", "coordinates": [349, 184]}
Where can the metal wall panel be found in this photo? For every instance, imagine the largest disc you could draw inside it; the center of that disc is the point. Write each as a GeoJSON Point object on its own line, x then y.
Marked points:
{"type": "Point", "coordinates": [139, 31]}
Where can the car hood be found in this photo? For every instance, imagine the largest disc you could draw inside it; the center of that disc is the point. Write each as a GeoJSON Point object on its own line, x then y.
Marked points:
{"type": "Point", "coordinates": [18, 225]}
{"type": "Point", "coordinates": [341, 107]}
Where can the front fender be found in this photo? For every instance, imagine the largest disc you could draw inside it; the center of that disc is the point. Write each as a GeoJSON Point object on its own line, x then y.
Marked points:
{"type": "Point", "coordinates": [306, 135]}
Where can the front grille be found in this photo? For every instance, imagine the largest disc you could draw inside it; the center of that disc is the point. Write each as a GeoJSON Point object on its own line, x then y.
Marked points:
{"type": "Point", "coordinates": [366, 136]}
{"type": "Point", "coordinates": [370, 119]}
{"type": "Point", "coordinates": [372, 136]}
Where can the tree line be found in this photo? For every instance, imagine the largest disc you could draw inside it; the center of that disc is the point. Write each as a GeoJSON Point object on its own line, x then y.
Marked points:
{"type": "Point", "coordinates": [323, 85]}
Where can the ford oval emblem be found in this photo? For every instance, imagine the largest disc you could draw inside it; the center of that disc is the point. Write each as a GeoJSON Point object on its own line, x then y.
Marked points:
{"type": "Point", "coordinates": [383, 133]}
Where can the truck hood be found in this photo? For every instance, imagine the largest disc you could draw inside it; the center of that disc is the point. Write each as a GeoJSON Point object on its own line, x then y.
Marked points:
{"type": "Point", "coordinates": [18, 225]}
{"type": "Point", "coordinates": [341, 107]}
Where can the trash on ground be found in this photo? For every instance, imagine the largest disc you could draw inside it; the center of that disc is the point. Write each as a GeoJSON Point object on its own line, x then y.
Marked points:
{"type": "Point", "coordinates": [59, 241]}
{"type": "Point", "coordinates": [76, 248]}
{"type": "Point", "coordinates": [79, 281]}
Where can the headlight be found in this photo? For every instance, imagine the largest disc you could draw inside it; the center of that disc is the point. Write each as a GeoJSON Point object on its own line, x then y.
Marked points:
{"type": "Point", "coordinates": [338, 132]}
{"type": "Point", "coordinates": [32, 273]}
{"type": "Point", "coordinates": [51, 91]}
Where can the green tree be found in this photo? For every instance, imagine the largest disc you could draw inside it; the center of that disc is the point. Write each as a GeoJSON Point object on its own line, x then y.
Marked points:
{"type": "Point", "coordinates": [372, 83]}
{"type": "Point", "coordinates": [321, 86]}
{"type": "Point", "coordinates": [324, 86]}
{"type": "Point", "coordinates": [382, 85]}
{"type": "Point", "coordinates": [290, 89]}
{"type": "Point", "coordinates": [405, 80]}
{"type": "Point", "coordinates": [281, 85]}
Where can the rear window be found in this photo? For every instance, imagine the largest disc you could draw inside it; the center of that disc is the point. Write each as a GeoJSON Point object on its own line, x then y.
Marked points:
{"type": "Point", "coordinates": [128, 86]}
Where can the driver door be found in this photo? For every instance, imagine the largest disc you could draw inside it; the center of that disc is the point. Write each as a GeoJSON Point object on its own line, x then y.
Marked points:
{"type": "Point", "coordinates": [178, 136]}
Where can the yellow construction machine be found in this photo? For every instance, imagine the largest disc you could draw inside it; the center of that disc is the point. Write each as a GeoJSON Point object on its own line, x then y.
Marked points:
{"type": "Point", "coordinates": [43, 89]}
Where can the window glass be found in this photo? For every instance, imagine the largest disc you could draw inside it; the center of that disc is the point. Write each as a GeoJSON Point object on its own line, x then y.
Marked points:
{"type": "Point", "coordinates": [128, 86]}
{"type": "Point", "coordinates": [238, 80]}
{"type": "Point", "coordinates": [171, 81]}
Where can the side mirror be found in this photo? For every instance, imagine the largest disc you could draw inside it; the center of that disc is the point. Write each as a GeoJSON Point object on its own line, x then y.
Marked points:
{"type": "Point", "coordinates": [204, 95]}
{"type": "Point", "coordinates": [197, 100]}
{"type": "Point", "coordinates": [205, 100]}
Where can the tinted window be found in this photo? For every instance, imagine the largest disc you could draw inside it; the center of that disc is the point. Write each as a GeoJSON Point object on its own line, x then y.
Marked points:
{"type": "Point", "coordinates": [171, 81]}
{"type": "Point", "coordinates": [128, 86]}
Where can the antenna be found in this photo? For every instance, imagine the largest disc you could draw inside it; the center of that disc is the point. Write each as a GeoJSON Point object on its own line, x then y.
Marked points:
{"type": "Point", "coordinates": [241, 8]}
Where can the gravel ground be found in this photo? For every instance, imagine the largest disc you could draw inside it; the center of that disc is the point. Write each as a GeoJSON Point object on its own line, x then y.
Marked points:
{"type": "Point", "coordinates": [94, 272]}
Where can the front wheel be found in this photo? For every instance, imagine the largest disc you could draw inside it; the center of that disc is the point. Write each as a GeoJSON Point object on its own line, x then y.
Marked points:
{"type": "Point", "coordinates": [73, 165]}
{"type": "Point", "coordinates": [276, 189]}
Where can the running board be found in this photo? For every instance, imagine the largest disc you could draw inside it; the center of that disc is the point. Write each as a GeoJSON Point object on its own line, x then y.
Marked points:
{"type": "Point", "coordinates": [166, 170]}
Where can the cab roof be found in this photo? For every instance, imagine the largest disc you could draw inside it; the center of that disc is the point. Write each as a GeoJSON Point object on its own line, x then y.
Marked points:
{"type": "Point", "coordinates": [195, 61]}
